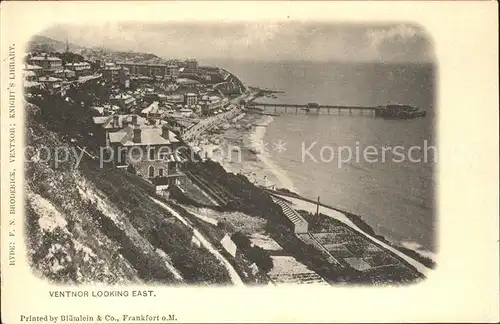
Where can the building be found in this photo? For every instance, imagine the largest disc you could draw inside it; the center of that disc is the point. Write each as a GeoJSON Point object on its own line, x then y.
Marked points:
{"type": "Point", "coordinates": [143, 69]}
{"type": "Point", "coordinates": [111, 73]}
{"type": "Point", "coordinates": [175, 99]}
{"type": "Point", "coordinates": [187, 83]}
{"type": "Point", "coordinates": [38, 70]}
{"type": "Point", "coordinates": [186, 112]}
{"type": "Point", "coordinates": [109, 124]}
{"type": "Point", "coordinates": [65, 73]}
{"type": "Point", "coordinates": [153, 110]}
{"type": "Point", "coordinates": [81, 68]}
{"type": "Point", "coordinates": [124, 101]}
{"type": "Point", "coordinates": [52, 84]}
{"type": "Point", "coordinates": [150, 151]}
{"type": "Point", "coordinates": [124, 77]}
{"type": "Point", "coordinates": [212, 104]}
{"type": "Point", "coordinates": [190, 99]}
{"type": "Point", "coordinates": [49, 64]}
{"type": "Point", "coordinates": [30, 80]}
{"type": "Point", "coordinates": [172, 71]}
{"type": "Point", "coordinates": [106, 110]}
{"type": "Point", "coordinates": [191, 66]}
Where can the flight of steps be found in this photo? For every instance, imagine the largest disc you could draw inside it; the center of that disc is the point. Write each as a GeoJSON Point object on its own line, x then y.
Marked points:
{"type": "Point", "coordinates": [288, 211]}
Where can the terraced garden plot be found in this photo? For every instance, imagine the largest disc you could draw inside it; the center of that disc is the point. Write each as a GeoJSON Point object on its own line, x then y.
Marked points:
{"type": "Point", "coordinates": [338, 250]}
{"type": "Point", "coordinates": [358, 248]}
{"type": "Point", "coordinates": [379, 259]}
{"type": "Point", "coordinates": [357, 263]}
{"type": "Point", "coordinates": [306, 238]}
{"type": "Point", "coordinates": [287, 270]}
{"type": "Point", "coordinates": [372, 248]}
{"type": "Point", "coordinates": [333, 238]}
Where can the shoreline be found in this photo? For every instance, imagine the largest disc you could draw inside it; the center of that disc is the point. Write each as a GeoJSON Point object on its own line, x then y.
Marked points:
{"type": "Point", "coordinates": [263, 171]}
{"type": "Point", "coordinates": [258, 136]}
{"type": "Point", "coordinates": [254, 163]}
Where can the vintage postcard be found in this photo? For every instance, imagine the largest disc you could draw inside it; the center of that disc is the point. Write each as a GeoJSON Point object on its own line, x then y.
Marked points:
{"type": "Point", "coordinates": [249, 162]}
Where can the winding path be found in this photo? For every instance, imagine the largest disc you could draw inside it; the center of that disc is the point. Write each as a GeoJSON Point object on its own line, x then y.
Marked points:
{"type": "Point", "coordinates": [235, 278]}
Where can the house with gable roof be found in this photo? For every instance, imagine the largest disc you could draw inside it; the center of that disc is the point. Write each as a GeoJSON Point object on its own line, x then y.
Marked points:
{"type": "Point", "coordinates": [109, 124]}
{"type": "Point", "coordinates": [148, 150]}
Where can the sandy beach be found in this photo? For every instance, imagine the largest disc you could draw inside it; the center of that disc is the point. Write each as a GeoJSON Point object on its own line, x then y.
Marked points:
{"type": "Point", "coordinates": [240, 149]}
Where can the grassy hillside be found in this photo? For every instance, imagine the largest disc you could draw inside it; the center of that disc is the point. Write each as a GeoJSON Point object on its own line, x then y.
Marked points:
{"type": "Point", "coordinates": [88, 224]}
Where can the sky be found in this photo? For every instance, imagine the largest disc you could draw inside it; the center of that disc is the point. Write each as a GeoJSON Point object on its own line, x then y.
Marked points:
{"type": "Point", "coordinates": [267, 41]}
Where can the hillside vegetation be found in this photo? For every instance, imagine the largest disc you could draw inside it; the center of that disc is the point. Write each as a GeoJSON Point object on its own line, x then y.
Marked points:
{"type": "Point", "coordinates": [87, 224]}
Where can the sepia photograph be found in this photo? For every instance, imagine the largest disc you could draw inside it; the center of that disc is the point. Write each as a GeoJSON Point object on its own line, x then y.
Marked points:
{"type": "Point", "coordinates": [231, 153]}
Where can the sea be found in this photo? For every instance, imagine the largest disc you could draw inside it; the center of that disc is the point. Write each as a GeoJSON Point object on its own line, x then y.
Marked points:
{"type": "Point", "coordinates": [391, 187]}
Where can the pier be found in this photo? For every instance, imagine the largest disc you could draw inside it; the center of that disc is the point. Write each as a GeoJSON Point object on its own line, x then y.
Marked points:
{"type": "Point", "coordinates": [312, 109]}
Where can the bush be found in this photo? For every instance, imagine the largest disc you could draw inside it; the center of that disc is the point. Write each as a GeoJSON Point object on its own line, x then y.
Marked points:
{"type": "Point", "coordinates": [255, 254]}
{"type": "Point", "coordinates": [262, 258]}
{"type": "Point", "coordinates": [241, 241]}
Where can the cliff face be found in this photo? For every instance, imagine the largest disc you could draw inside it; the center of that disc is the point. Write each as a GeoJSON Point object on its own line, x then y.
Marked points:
{"type": "Point", "coordinates": [79, 228]}
{"type": "Point", "coordinates": [65, 243]}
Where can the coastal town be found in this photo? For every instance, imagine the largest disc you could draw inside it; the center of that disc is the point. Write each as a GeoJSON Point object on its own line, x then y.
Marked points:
{"type": "Point", "coordinates": [170, 213]}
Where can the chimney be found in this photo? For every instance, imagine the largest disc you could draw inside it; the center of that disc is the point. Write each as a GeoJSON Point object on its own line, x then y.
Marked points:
{"type": "Point", "coordinates": [116, 120]}
{"type": "Point", "coordinates": [137, 135]}
{"type": "Point", "coordinates": [164, 131]}
{"type": "Point", "coordinates": [134, 119]}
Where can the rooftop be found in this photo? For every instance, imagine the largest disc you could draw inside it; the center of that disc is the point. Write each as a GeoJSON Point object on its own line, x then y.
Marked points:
{"type": "Point", "coordinates": [45, 58]}
{"type": "Point", "coordinates": [107, 122]}
{"type": "Point", "coordinates": [30, 67]}
{"type": "Point", "coordinates": [153, 108]}
{"type": "Point", "coordinates": [186, 81]}
{"type": "Point", "coordinates": [121, 96]}
{"type": "Point", "coordinates": [78, 64]}
{"type": "Point", "coordinates": [49, 79]}
{"type": "Point", "coordinates": [150, 135]}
